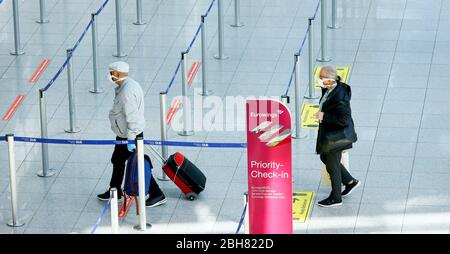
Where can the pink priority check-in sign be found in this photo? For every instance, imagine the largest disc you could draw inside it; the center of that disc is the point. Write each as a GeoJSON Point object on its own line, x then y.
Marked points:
{"type": "Point", "coordinates": [269, 167]}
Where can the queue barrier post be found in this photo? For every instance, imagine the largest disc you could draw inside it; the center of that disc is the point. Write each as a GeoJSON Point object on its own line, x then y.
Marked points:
{"type": "Point", "coordinates": [205, 91]}
{"type": "Point", "coordinates": [96, 89]}
{"type": "Point", "coordinates": [17, 48]}
{"type": "Point", "coordinates": [163, 122]}
{"type": "Point", "coordinates": [221, 55]}
{"type": "Point", "coordinates": [187, 123]}
{"type": "Point", "coordinates": [42, 19]}
{"type": "Point", "coordinates": [119, 35]}
{"type": "Point", "coordinates": [15, 222]}
{"type": "Point", "coordinates": [323, 37]}
{"type": "Point", "coordinates": [46, 171]}
{"type": "Point", "coordinates": [237, 14]}
{"type": "Point", "coordinates": [71, 94]}
{"type": "Point", "coordinates": [139, 21]}
{"type": "Point", "coordinates": [141, 186]}
{"type": "Point", "coordinates": [114, 211]}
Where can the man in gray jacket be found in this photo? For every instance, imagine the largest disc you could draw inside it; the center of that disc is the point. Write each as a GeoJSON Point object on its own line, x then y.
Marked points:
{"type": "Point", "coordinates": [127, 122]}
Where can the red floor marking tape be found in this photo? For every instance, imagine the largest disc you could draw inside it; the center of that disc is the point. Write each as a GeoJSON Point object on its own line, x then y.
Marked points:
{"type": "Point", "coordinates": [173, 110]}
{"type": "Point", "coordinates": [192, 72]}
{"type": "Point", "coordinates": [13, 108]}
{"type": "Point", "coordinates": [39, 71]}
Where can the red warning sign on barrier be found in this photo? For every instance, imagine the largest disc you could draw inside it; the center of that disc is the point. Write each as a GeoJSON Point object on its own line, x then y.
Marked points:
{"type": "Point", "coordinates": [39, 71]}
{"type": "Point", "coordinates": [176, 104]}
{"type": "Point", "coordinates": [193, 72]}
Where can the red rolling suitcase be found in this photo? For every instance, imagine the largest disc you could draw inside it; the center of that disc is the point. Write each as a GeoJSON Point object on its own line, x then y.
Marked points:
{"type": "Point", "coordinates": [184, 174]}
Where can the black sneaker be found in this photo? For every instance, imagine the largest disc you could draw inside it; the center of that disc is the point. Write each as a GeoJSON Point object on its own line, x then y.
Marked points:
{"type": "Point", "coordinates": [105, 196]}
{"type": "Point", "coordinates": [329, 202]}
{"type": "Point", "coordinates": [157, 201]}
{"type": "Point", "coordinates": [349, 188]}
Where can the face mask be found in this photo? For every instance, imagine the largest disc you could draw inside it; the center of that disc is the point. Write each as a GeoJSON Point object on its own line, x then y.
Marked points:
{"type": "Point", "coordinates": [322, 85]}
{"type": "Point", "coordinates": [113, 79]}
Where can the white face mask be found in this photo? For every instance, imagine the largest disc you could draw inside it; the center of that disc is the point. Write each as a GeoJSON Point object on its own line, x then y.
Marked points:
{"type": "Point", "coordinates": [322, 85]}
{"type": "Point", "coordinates": [112, 77]}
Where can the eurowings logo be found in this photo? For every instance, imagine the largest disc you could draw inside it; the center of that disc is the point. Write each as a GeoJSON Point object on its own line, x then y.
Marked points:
{"type": "Point", "coordinates": [271, 134]}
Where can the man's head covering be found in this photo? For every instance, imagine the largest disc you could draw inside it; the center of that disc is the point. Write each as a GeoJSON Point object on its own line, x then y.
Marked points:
{"type": "Point", "coordinates": [120, 67]}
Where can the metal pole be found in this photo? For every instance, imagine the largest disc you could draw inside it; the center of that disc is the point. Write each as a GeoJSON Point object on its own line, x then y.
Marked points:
{"type": "Point", "coordinates": [72, 108]}
{"type": "Point", "coordinates": [46, 171]}
{"type": "Point", "coordinates": [164, 149]}
{"type": "Point", "coordinates": [237, 14]}
{"type": "Point", "coordinates": [334, 24]}
{"type": "Point", "coordinates": [119, 29]}
{"type": "Point", "coordinates": [96, 89]}
{"type": "Point", "coordinates": [323, 37]}
{"type": "Point", "coordinates": [298, 103]}
{"type": "Point", "coordinates": [311, 90]}
{"type": "Point", "coordinates": [247, 215]}
{"type": "Point", "coordinates": [42, 19]}
{"type": "Point", "coordinates": [139, 14]}
{"type": "Point", "coordinates": [221, 55]}
{"type": "Point", "coordinates": [141, 185]}
{"type": "Point", "coordinates": [186, 109]}
{"type": "Point", "coordinates": [17, 49]}
{"type": "Point", "coordinates": [205, 91]}
{"type": "Point", "coordinates": [12, 178]}
{"type": "Point", "coordinates": [114, 211]}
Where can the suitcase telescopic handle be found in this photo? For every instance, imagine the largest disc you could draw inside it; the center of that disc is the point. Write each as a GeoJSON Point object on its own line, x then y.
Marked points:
{"type": "Point", "coordinates": [156, 154]}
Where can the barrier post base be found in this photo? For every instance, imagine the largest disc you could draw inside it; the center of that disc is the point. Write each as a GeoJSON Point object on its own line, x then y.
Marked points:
{"type": "Point", "coordinates": [42, 21]}
{"type": "Point", "coordinates": [18, 224]}
{"type": "Point", "coordinates": [139, 23]}
{"type": "Point", "coordinates": [324, 60]}
{"type": "Point", "coordinates": [163, 178]}
{"type": "Point", "coordinates": [238, 25]}
{"type": "Point", "coordinates": [49, 173]}
{"type": "Point", "coordinates": [302, 136]}
{"type": "Point", "coordinates": [218, 57]}
{"type": "Point", "coordinates": [75, 130]}
{"type": "Point", "coordinates": [186, 133]}
{"type": "Point", "coordinates": [311, 97]}
{"type": "Point", "coordinates": [334, 27]}
{"type": "Point", "coordinates": [120, 55]}
{"type": "Point", "coordinates": [138, 227]}
{"type": "Point", "coordinates": [17, 53]}
{"type": "Point", "coordinates": [99, 91]}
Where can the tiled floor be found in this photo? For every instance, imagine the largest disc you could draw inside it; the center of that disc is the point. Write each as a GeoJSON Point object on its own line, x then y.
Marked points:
{"type": "Point", "coordinates": [399, 54]}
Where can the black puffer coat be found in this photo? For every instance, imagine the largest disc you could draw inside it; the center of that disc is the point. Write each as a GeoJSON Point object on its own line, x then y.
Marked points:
{"type": "Point", "coordinates": [337, 114]}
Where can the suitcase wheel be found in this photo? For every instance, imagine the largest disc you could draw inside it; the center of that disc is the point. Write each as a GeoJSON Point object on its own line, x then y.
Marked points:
{"type": "Point", "coordinates": [191, 196]}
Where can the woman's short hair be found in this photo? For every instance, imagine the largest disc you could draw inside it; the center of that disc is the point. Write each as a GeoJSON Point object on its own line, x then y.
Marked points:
{"type": "Point", "coordinates": [329, 72]}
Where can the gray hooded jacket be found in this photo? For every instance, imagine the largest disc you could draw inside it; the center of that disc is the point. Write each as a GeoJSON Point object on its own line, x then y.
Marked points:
{"type": "Point", "coordinates": [127, 114]}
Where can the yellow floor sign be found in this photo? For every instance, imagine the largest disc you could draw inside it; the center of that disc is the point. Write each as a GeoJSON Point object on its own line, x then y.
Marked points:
{"type": "Point", "coordinates": [343, 72]}
{"type": "Point", "coordinates": [302, 205]}
{"type": "Point", "coordinates": [309, 121]}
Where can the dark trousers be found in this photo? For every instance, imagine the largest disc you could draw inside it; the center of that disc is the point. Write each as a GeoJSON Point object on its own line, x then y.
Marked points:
{"type": "Point", "coordinates": [338, 173]}
{"type": "Point", "coordinates": [119, 158]}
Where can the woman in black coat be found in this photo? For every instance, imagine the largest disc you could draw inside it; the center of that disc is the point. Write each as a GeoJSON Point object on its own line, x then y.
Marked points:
{"type": "Point", "coordinates": [336, 134]}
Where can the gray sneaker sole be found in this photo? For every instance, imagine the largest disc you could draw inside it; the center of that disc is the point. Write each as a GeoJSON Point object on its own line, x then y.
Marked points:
{"type": "Point", "coordinates": [162, 202]}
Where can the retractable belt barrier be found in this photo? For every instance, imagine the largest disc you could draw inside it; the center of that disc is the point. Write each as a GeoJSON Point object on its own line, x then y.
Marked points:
{"type": "Point", "coordinates": [61, 69]}
{"type": "Point", "coordinates": [189, 47]}
{"type": "Point", "coordinates": [301, 49]}
{"type": "Point", "coordinates": [102, 215]}
{"type": "Point", "coordinates": [124, 142]}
